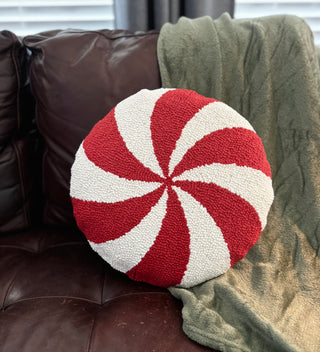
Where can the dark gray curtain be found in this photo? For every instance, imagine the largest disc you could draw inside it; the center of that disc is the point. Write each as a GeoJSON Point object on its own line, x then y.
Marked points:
{"type": "Point", "coordinates": [143, 15]}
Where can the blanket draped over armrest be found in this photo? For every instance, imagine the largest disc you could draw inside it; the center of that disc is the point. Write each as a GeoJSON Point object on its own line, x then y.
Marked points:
{"type": "Point", "coordinates": [267, 69]}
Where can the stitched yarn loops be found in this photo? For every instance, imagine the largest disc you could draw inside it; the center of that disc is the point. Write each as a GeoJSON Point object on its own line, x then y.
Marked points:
{"type": "Point", "coordinates": [171, 188]}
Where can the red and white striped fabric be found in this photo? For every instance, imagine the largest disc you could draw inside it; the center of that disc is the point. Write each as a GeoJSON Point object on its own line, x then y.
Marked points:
{"type": "Point", "coordinates": [171, 188]}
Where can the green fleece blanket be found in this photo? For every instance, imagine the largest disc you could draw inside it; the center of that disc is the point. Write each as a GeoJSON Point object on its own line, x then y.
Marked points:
{"type": "Point", "coordinates": [266, 69]}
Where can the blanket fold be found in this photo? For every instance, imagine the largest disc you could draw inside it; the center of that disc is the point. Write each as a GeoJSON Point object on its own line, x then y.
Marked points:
{"type": "Point", "coordinates": [267, 69]}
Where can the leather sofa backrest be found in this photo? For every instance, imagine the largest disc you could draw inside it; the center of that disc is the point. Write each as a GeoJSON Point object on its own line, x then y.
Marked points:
{"type": "Point", "coordinates": [17, 139]}
{"type": "Point", "coordinates": [77, 77]}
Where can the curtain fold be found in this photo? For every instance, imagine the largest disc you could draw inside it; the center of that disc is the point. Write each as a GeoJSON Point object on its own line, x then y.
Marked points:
{"type": "Point", "coordinates": [143, 15]}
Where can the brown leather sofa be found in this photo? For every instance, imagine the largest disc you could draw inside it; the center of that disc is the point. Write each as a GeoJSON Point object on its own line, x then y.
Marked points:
{"type": "Point", "coordinates": [56, 293]}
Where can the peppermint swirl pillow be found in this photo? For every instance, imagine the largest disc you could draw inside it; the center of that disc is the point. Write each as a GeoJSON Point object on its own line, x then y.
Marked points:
{"type": "Point", "coordinates": [171, 188]}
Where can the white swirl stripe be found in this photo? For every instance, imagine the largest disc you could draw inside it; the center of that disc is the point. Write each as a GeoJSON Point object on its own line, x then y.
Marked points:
{"type": "Point", "coordinates": [212, 117]}
{"type": "Point", "coordinates": [250, 184]}
{"type": "Point", "coordinates": [133, 123]}
{"type": "Point", "coordinates": [90, 183]}
{"type": "Point", "coordinates": [127, 251]}
{"type": "Point", "coordinates": [209, 253]}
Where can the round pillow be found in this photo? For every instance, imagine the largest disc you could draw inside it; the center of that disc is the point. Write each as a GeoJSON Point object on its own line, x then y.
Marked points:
{"type": "Point", "coordinates": [171, 188]}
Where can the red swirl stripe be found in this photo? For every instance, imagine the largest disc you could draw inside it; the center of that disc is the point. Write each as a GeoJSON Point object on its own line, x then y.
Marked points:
{"type": "Point", "coordinates": [103, 222]}
{"type": "Point", "coordinates": [236, 218]}
{"type": "Point", "coordinates": [171, 113]}
{"type": "Point", "coordinates": [166, 261]}
{"type": "Point", "coordinates": [105, 147]}
{"type": "Point", "coordinates": [227, 146]}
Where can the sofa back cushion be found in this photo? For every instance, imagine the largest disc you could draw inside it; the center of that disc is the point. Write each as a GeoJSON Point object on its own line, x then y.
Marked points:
{"type": "Point", "coordinates": [77, 77]}
{"type": "Point", "coordinates": [17, 142]}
